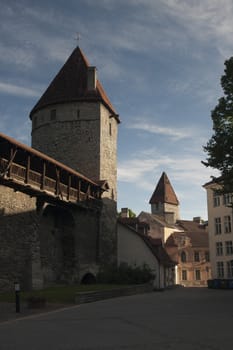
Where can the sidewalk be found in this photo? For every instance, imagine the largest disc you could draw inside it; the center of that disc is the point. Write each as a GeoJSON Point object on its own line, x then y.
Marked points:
{"type": "Point", "coordinates": [8, 310]}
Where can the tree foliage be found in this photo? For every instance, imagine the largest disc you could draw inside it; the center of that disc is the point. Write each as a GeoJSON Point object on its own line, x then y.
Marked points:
{"type": "Point", "coordinates": [219, 148]}
{"type": "Point", "coordinates": [125, 274]}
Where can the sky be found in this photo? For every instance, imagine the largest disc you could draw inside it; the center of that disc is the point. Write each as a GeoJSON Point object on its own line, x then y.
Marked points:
{"type": "Point", "coordinates": [160, 62]}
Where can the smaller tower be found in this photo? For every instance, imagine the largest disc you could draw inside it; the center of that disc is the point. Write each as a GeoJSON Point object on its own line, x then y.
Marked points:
{"type": "Point", "coordinates": [164, 201]}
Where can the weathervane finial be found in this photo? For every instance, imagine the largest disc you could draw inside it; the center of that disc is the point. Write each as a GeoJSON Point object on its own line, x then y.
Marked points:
{"type": "Point", "coordinates": [78, 38]}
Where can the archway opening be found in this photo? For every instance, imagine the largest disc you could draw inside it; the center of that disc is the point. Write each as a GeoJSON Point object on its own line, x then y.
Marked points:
{"type": "Point", "coordinates": [88, 278]}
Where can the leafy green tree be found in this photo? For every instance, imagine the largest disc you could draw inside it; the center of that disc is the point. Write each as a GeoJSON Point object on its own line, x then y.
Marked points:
{"type": "Point", "coordinates": [219, 148]}
{"type": "Point", "coordinates": [132, 214]}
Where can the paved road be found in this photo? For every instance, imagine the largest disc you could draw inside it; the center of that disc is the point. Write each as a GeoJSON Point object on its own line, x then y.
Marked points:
{"type": "Point", "coordinates": [184, 319]}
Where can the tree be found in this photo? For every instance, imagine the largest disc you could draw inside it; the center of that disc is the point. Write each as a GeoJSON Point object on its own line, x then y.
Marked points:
{"type": "Point", "coordinates": [220, 146]}
{"type": "Point", "coordinates": [131, 214]}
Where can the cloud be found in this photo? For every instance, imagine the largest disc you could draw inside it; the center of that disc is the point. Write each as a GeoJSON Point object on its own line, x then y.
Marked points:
{"type": "Point", "coordinates": [143, 168]}
{"type": "Point", "coordinates": [173, 133]}
{"type": "Point", "coordinates": [16, 90]}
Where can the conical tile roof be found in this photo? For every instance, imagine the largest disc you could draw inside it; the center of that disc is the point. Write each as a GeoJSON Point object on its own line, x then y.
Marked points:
{"type": "Point", "coordinates": [164, 192]}
{"type": "Point", "coordinates": [70, 85]}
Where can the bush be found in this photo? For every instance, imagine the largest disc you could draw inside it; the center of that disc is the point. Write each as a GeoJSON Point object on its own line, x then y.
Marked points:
{"type": "Point", "coordinates": [125, 274]}
{"type": "Point", "coordinates": [35, 302]}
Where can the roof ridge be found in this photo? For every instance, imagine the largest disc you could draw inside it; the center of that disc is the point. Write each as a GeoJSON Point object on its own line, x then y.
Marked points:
{"type": "Point", "coordinates": [70, 85]}
{"type": "Point", "coordinates": [164, 192]}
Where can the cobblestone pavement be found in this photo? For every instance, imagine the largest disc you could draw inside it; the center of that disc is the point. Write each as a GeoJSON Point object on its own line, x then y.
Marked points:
{"type": "Point", "coordinates": [179, 319]}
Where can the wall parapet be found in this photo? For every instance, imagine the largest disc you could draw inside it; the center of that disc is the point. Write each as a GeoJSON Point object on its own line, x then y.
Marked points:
{"type": "Point", "coordinates": [88, 297]}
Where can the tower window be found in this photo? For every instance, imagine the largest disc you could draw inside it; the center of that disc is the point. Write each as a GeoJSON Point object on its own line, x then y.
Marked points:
{"type": "Point", "coordinates": [78, 114]}
{"type": "Point", "coordinates": [110, 129]}
{"type": "Point", "coordinates": [53, 114]}
{"type": "Point", "coordinates": [34, 122]}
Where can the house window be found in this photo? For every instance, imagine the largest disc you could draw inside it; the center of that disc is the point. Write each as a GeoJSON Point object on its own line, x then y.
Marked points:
{"type": "Point", "coordinates": [227, 198]}
{"type": "Point", "coordinates": [216, 199]}
{"type": "Point", "coordinates": [230, 269]}
{"type": "Point", "coordinates": [197, 275]}
{"type": "Point", "coordinates": [53, 114]}
{"type": "Point", "coordinates": [218, 229]}
{"type": "Point", "coordinates": [183, 257]}
{"type": "Point", "coordinates": [184, 275]}
{"type": "Point", "coordinates": [229, 247]}
{"type": "Point", "coordinates": [219, 250]}
{"type": "Point", "coordinates": [196, 256]}
{"type": "Point", "coordinates": [220, 269]}
{"type": "Point", "coordinates": [227, 224]}
{"type": "Point", "coordinates": [207, 256]}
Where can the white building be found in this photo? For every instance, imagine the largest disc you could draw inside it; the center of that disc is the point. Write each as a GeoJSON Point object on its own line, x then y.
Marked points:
{"type": "Point", "coordinates": [137, 249]}
{"type": "Point", "coordinates": [220, 231]}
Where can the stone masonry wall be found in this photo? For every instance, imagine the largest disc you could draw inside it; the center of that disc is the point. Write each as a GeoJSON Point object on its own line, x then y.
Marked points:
{"type": "Point", "coordinates": [19, 242]}
{"type": "Point", "coordinates": [108, 152]}
{"type": "Point", "coordinates": [56, 244]}
{"type": "Point", "coordinates": [71, 135]}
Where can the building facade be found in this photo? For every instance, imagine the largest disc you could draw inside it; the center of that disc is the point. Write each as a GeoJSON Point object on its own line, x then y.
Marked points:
{"type": "Point", "coordinates": [186, 241]}
{"type": "Point", "coordinates": [220, 231]}
{"type": "Point", "coordinates": [190, 249]}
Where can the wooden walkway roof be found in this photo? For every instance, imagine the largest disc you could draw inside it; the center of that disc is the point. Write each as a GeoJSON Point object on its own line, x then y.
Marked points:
{"type": "Point", "coordinates": [34, 173]}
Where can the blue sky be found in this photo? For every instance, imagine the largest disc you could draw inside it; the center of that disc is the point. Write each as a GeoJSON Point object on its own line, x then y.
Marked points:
{"type": "Point", "coordinates": [160, 62]}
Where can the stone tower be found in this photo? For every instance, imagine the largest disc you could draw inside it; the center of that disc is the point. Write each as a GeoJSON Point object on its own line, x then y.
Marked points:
{"type": "Point", "coordinates": [75, 123]}
{"type": "Point", "coordinates": [164, 201]}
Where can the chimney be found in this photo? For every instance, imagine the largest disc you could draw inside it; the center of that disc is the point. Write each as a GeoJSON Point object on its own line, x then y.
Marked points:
{"type": "Point", "coordinates": [197, 219]}
{"type": "Point", "coordinates": [91, 78]}
{"type": "Point", "coordinates": [124, 212]}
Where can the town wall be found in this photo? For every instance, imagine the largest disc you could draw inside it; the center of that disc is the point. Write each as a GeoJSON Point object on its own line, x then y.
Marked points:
{"type": "Point", "coordinates": [46, 246]}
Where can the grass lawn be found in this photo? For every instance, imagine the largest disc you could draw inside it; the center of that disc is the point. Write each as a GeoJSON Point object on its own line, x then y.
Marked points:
{"type": "Point", "coordinates": [60, 294]}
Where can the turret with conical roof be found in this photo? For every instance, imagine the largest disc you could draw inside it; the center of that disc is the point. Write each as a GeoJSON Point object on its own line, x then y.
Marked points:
{"type": "Point", "coordinates": [75, 122]}
{"type": "Point", "coordinates": [164, 201]}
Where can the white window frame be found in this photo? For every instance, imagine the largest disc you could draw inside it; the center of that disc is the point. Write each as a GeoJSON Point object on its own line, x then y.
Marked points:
{"type": "Point", "coordinates": [227, 199]}
{"type": "Point", "coordinates": [216, 199]}
{"type": "Point", "coordinates": [219, 249]}
{"type": "Point", "coordinates": [218, 226]}
{"type": "Point", "coordinates": [227, 224]}
{"type": "Point", "coordinates": [220, 269]}
{"type": "Point", "coordinates": [230, 269]}
{"type": "Point", "coordinates": [228, 248]}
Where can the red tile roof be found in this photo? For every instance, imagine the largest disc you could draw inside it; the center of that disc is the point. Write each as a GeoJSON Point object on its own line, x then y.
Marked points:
{"type": "Point", "coordinates": [195, 232]}
{"type": "Point", "coordinates": [164, 192]}
{"type": "Point", "coordinates": [70, 84]}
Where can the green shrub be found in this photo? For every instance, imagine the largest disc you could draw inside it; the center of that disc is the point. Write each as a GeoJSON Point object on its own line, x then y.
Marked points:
{"type": "Point", "coordinates": [125, 274]}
